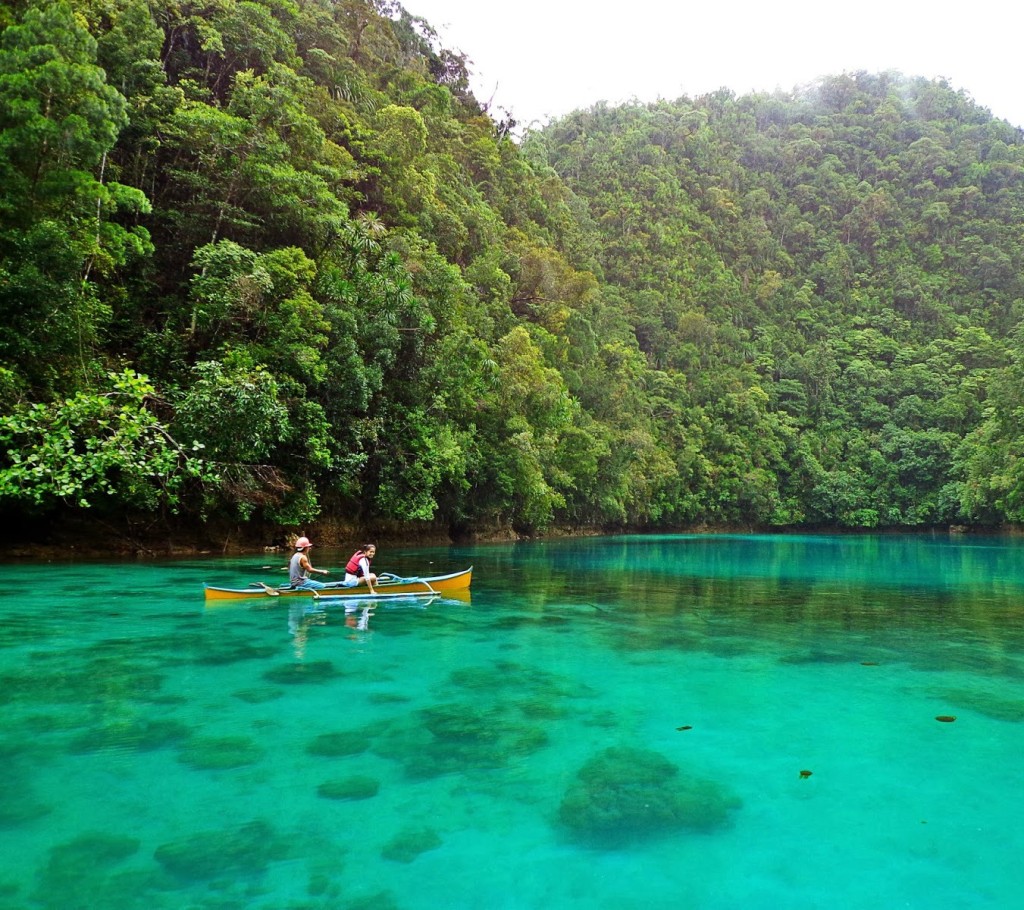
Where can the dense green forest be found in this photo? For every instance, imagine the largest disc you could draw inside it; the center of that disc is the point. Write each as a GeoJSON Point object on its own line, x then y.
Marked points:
{"type": "Point", "coordinates": [269, 263]}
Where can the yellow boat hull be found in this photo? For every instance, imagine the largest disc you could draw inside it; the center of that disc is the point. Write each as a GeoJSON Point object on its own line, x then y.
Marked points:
{"type": "Point", "coordinates": [454, 585]}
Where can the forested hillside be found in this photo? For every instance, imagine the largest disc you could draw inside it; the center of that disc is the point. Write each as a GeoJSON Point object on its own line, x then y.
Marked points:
{"type": "Point", "coordinates": [830, 283]}
{"type": "Point", "coordinates": [269, 262]}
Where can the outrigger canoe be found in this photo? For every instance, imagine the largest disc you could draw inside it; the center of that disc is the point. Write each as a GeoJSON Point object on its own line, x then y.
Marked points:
{"type": "Point", "coordinates": [454, 585]}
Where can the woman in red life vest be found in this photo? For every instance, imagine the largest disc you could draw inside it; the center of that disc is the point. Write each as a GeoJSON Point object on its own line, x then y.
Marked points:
{"type": "Point", "coordinates": [357, 570]}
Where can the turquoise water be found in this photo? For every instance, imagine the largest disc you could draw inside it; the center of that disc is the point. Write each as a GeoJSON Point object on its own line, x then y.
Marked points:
{"type": "Point", "coordinates": [609, 723]}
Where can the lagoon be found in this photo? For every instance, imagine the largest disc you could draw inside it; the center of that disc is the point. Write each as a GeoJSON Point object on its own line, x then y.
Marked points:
{"type": "Point", "coordinates": [618, 722]}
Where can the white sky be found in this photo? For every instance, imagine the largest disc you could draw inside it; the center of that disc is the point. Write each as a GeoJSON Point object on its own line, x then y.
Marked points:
{"type": "Point", "coordinates": [543, 58]}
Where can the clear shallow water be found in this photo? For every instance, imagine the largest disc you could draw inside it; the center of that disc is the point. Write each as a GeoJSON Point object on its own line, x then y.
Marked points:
{"type": "Point", "coordinates": [524, 750]}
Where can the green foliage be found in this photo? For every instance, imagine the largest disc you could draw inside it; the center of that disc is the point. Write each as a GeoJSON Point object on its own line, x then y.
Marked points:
{"type": "Point", "coordinates": [59, 116]}
{"type": "Point", "coordinates": [59, 119]}
{"type": "Point", "coordinates": [358, 295]}
{"type": "Point", "coordinates": [802, 248]}
{"type": "Point", "coordinates": [233, 411]}
{"type": "Point", "coordinates": [106, 443]}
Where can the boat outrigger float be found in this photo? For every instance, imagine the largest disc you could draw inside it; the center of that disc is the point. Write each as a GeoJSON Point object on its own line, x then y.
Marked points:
{"type": "Point", "coordinates": [454, 585]}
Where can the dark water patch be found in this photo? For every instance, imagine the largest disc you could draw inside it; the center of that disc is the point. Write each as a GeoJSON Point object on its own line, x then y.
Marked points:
{"type": "Point", "coordinates": [349, 788]}
{"type": "Point", "coordinates": [78, 686]}
{"type": "Point", "coordinates": [220, 753]}
{"type": "Point", "coordinates": [68, 680]}
{"type": "Point", "coordinates": [87, 873]}
{"type": "Point", "coordinates": [326, 879]}
{"type": "Point", "coordinates": [173, 647]}
{"type": "Point", "coordinates": [409, 843]}
{"type": "Point", "coordinates": [657, 637]}
{"type": "Point", "coordinates": [244, 850]}
{"type": "Point", "coordinates": [321, 884]}
{"type": "Point", "coordinates": [819, 656]}
{"type": "Point", "coordinates": [258, 695]}
{"type": "Point", "coordinates": [506, 676]}
{"type": "Point", "coordinates": [381, 675]}
{"type": "Point", "coordinates": [183, 620]}
{"type": "Point", "coordinates": [166, 699]}
{"type": "Point", "coordinates": [19, 806]}
{"type": "Point", "coordinates": [245, 624]}
{"type": "Point", "coordinates": [479, 678]}
{"type": "Point", "coordinates": [133, 647]}
{"type": "Point", "coordinates": [134, 653]}
{"type": "Point", "coordinates": [382, 900]}
{"type": "Point", "coordinates": [539, 708]}
{"type": "Point", "coordinates": [989, 704]}
{"type": "Point", "coordinates": [735, 647]}
{"type": "Point", "coordinates": [135, 734]}
{"type": "Point", "coordinates": [458, 737]}
{"type": "Point", "coordinates": [50, 722]}
{"type": "Point", "coordinates": [602, 720]}
{"type": "Point", "coordinates": [19, 803]}
{"type": "Point", "coordinates": [466, 723]}
{"type": "Point", "coordinates": [16, 632]}
{"type": "Point", "coordinates": [976, 658]}
{"type": "Point", "coordinates": [129, 681]}
{"type": "Point", "coordinates": [272, 723]}
{"type": "Point", "coordinates": [519, 621]}
{"type": "Point", "coordinates": [624, 795]}
{"type": "Point", "coordinates": [388, 698]}
{"type": "Point", "coordinates": [17, 752]}
{"type": "Point", "coordinates": [312, 672]}
{"type": "Point", "coordinates": [223, 653]}
{"type": "Point", "coordinates": [339, 743]}
{"type": "Point", "coordinates": [93, 849]}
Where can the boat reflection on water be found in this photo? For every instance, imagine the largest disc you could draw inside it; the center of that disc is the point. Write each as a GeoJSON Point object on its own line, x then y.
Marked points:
{"type": "Point", "coordinates": [357, 613]}
{"type": "Point", "coordinates": [302, 615]}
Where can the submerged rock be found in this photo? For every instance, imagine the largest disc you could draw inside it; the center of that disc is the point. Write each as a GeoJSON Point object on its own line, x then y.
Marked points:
{"type": "Point", "coordinates": [388, 698]}
{"type": "Point", "coordinates": [21, 810]}
{"type": "Point", "coordinates": [244, 850]}
{"type": "Point", "coordinates": [405, 846]}
{"type": "Point", "coordinates": [340, 743]}
{"type": "Point", "coordinates": [458, 737]}
{"type": "Point", "coordinates": [315, 671]}
{"type": "Point", "coordinates": [87, 872]}
{"type": "Point", "coordinates": [356, 787]}
{"type": "Point", "coordinates": [625, 794]}
{"type": "Point", "coordinates": [218, 753]}
{"type": "Point", "coordinates": [87, 851]}
{"type": "Point", "coordinates": [235, 651]}
{"type": "Point", "coordinates": [259, 695]}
